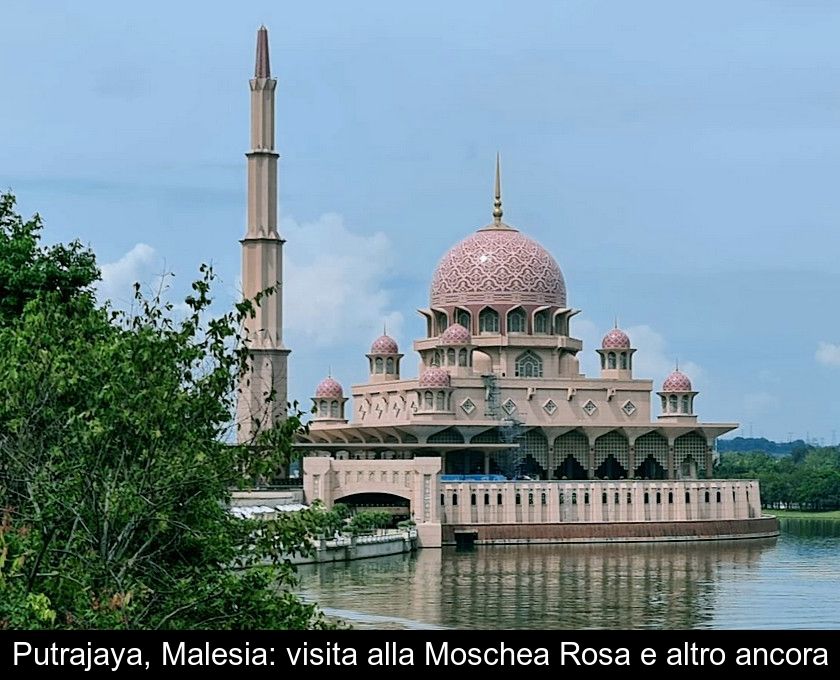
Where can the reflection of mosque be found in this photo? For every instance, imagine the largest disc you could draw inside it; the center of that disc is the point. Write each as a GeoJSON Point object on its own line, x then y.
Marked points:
{"type": "Point", "coordinates": [574, 586]}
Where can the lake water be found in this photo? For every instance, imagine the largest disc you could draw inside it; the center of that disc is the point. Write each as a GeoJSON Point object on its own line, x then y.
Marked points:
{"type": "Point", "coordinates": [789, 582]}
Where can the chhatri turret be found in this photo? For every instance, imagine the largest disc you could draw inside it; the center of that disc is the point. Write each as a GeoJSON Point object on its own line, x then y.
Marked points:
{"type": "Point", "coordinates": [263, 390]}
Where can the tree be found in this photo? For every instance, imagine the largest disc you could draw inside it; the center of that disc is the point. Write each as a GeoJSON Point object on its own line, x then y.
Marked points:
{"type": "Point", "coordinates": [115, 471]}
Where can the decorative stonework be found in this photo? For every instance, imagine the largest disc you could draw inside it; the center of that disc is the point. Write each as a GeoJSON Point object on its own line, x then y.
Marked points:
{"type": "Point", "coordinates": [589, 407]}
{"type": "Point", "coordinates": [384, 344]}
{"type": "Point", "coordinates": [629, 408]}
{"type": "Point", "coordinates": [616, 339]}
{"type": "Point", "coordinates": [509, 406]}
{"type": "Point", "coordinates": [676, 382]}
{"type": "Point", "coordinates": [498, 265]}
{"type": "Point", "coordinates": [329, 389]}
{"type": "Point", "coordinates": [434, 376]}
{"type": "Point", "coordinates": [468, 406]}
{"type": "Point", "coordinates": [455, 334]}
{"type": "Point", "coordinates": [550, 407]}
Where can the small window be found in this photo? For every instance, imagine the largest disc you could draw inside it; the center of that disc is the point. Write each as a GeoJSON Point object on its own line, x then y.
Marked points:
{"type": "Point", "coordinates": [528, 365]}
{"type": "Point", "coordinates": [450, 357]}
{"type": "Point", "coordinates": [472, 499]}
{"type": "Point", "coordinates": [658, 498]}
{"type": "Point", "coordinates": [442, 500]}
{"type": "Point", "coordinates": [687, 497]}
{"type": "Point", "coordinates": [629, 498]}
{"type": "Point", "coordinates": [718, 496]}
{"type": "Point", "coordinates": [516, 321]}
{"type": "Point", "coordinates": [379, 364]}
{"type": "Point", "coordinates": [488, 321]}
{"type": "Point", "coordinates": [541, 322]}
{"type": "Point", "coordinates": [615, 500]}
{"type": "Point", "coordinates": [462, 357]}
{"type": "Point", "coordinates": [686, 408]}
{"type": "Point", "coordinates": [586, 498]}
{"type": "Point", "coordinates": [441, 401]}
{"type": "Point", "coordinates": [623, 359]}
{"type": "Point", "coordinates": [542, 498]}
{"type": "Point", "coordinates": [463, 318]}
{"type": "Point", "coordinates": [530, 498]}
{"type": "Point", "coordinates": [604, 497]}
{"type": "Point", "coordinates": [611, 360]}
{"type": "Point", "coordinates": [498, 499]}
{"type": "Point", "coordinates": [670, 497]}
{"type": "Point", "coordinates": [487, 499]}
{"type": "Point", "coordinates": [562, 499]}
{"type": "Point", "coordinates": [454, 499]}
{"type": "Point", "coordinates": [707, 497]}
{"type": "Point", "coordinates": [428, 398]}
{"type": "Point", "coordinates": [647, 498]}
{"type": "Point", "coordinates": [673, 403]}
{"type": "Point", "coordinates": [333, 409]}
{"type": "Point", "coordinates": [574, 497]}
{"type": "Point", "coordinates": [518, 499]}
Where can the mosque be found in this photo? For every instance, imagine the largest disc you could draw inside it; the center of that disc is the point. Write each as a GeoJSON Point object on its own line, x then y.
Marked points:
{"type": "Point", "coordinates": [501, 438]}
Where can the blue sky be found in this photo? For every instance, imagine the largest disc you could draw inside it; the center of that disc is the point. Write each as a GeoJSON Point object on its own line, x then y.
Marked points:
{"type": "Point", "coordinates": [680, 162]}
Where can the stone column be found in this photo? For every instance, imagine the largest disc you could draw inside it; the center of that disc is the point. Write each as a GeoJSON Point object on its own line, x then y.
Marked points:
{"type": "Point", "coordinates": [550, 463]}
{"type": "Point", "coordinates": [590, 463]}
{"type": "Point", "coordinates": [709, 462]}
{"type": "Point", "coordinates": [631, 461]}
{"type": "Point", "coordinates": [671, 471]}
{"type": "Point", "coordinates": [486, 462]}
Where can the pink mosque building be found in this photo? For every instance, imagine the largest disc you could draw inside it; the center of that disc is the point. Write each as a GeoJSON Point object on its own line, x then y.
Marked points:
{"type": "Point", "coordinates": [500, 438]}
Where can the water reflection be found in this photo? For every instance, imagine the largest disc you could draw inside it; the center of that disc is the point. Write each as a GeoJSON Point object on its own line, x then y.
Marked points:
{"type": "Point", "coordinates": [548, 586]}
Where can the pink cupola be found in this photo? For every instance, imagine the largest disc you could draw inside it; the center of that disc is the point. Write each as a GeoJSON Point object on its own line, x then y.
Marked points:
{"type": "Point", "coordinates": [677, 397]}
{"type": "Point", "coordinates": [454, 350]}
{"type": "Point", "coordinates": [616, 355]}
{"type": "Point", "coordinates": [434, 391]}
{"type": "Point", "coordinates": [384, 359]}
{"type": "Point", "coordinates": [329, 401]}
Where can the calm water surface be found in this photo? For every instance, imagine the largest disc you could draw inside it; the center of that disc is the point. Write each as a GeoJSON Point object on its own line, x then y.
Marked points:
{"type": "Point", "coordinates": [789, 582]}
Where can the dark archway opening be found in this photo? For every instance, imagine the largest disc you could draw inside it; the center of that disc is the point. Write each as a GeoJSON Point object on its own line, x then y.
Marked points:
{"type": "Point", "coordinates": [398, 507]}
{"type": "Point", "coordinates": [610, 469]}
{"type": "Point", "coordinates": [650, 468]}
{"type": "Point", "coordinates": [570, 468]}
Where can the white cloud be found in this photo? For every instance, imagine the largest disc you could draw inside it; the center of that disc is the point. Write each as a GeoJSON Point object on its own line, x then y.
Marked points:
{"type": "Point", "coordinates": [652, 360]}
{"type": "Point", "coordinates": [828, 354]}
{"type": "Point", "coordinates": [118, 278]}
{"type": "Point", "coordinates": [335, 282]}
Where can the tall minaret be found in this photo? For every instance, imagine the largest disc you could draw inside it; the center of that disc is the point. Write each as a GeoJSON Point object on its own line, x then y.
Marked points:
{"type": "Point", "coordinates": [262, 263]}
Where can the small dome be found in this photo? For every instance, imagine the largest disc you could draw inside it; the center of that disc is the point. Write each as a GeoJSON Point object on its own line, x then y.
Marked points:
{"type": "Point", "coordinates": [384, 344]}
{"type": "Point", "coordinates": [434, 377]}
{"type": "Point", "coordinates": [330, 389]}
{"type": "Point", "coordinates": [455, 334]}
{"type": "Point", "coordinates": [676, 382]}
{"type": "Point", "coordinates": [616, 339]}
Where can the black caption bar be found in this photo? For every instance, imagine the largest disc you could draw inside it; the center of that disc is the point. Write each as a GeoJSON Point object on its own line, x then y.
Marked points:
{"type": "Point", "coordinates": [583, 653]}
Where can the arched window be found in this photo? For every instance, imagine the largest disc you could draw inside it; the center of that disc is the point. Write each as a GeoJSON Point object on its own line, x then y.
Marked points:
{"type": "Point", "coordinates": [664, 404]}
{"type": "Point", "coordinates": [333, 409]}
{"type": "Point", "coordinates": [611, 360]}
{"type": "Point", "coordinates": [623, 360]}
{"type": "Point", "coordinates": [450, 357]}
{"type": "Point", "coordinates": [685, 404]}
{"type": "Point", "coordinates": [516, 321]}
{"type": "Point", "coordinates": [437, 359]}
{"type": "Point", "coordinates": [323, 408]}
{"type": "Point", "coordinates": [428, 398]}
{"type": "Point", "coordinates": [442, 322]}
{"type": "Point", "coordinates": [488, 321]}
{"type": "Point", "coordinates": [462, 316]}
{"type": "Point", "coordinates": [462, 357]}
{"type": "Point", "coordinates": [441, 401]}
{"type": "Point", "coordinates": [378, 363]}
{"type": "Point", "coordinates": [528, 365]}
{"type": "Point", "coordinates": [389, 365]}
{"type": "Point", "coordinates": [541, 322]}
{"type": "Point", "coordinates": [672, 402]}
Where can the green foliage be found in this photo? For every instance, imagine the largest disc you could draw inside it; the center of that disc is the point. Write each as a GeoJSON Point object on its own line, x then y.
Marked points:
{"type": "Point", "coordinates": [115, 466]}
{"type": "Point", "coordinates": [367, 521]}
{"type": "Point", "coordinates": [28, 270]}
{"type": "Point", "coordinates": [808, 480]}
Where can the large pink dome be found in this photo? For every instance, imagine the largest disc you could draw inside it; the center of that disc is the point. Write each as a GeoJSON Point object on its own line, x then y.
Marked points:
{"type": "Point", "coordinates": [329, 389]}
{"type": "Point", "coordinates": [676, 382]}
{"type": "Point", "coordinates": [498, 265]}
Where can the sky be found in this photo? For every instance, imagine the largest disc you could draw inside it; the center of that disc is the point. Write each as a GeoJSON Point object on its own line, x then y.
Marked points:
{"type": "Point", "coordinates": [679, 160]}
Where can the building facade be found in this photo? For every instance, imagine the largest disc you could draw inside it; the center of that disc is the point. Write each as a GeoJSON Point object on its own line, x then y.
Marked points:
{"type": "Point", "coordinates": [501, 437]}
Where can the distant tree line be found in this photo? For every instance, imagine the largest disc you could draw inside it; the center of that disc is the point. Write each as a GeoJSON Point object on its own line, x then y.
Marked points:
{"type": "Point", "coordinates": [751, 444]}
{"type": "Point", "coordinates": [807, 479]}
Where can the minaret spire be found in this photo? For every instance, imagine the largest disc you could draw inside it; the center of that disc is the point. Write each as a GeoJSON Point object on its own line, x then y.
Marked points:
{"type": "Point", "coordinates": [497, 202]}
{"type": "Point", "coordinates": [262, 69]}
{"type": "Point", "coordinates": [262, 264]}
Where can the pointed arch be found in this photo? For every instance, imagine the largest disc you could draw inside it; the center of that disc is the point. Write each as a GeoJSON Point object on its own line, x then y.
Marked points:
{"type": "Point", "coordinates": [517, 321]}
{"type": "Point", "coordinates": [612, 456]}
{"type": "Point", "coordinates": [528, 365]}
{"type": "Point", "coordinates": [488, 320]}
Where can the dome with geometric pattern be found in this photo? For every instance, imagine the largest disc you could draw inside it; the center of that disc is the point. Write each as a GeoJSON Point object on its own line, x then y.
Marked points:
{"type": "Point", "coordinates": [498, 264]}
{"type": "Point", "coordinates": [676, 382]}
{"type": "Point", "coordinates": [384, 344]}
{"type": "Point", "coordinates": [434, 376]}
{"type": "Point", "coordinates": [329, 389]}
{"type": "Point", "coordinates": [455, 334]}
{"type": "Point", "coordinates": [616, 339]}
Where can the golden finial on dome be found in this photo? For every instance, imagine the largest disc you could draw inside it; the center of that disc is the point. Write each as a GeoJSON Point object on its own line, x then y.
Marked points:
{"type": "Point", "coordinates": [497, 203]}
